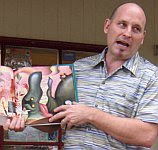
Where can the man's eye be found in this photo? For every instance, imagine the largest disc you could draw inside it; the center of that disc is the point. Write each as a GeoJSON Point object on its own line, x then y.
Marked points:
{"type": "Point", "coordinates": [122, 25]}
{"type": "Point", "coordinates": [136, 30]}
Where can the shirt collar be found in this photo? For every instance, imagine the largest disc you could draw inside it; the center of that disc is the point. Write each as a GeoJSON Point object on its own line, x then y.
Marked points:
{"type": "Point", "coordinates": [131, 64]}
{"type": "Point", "coordinates": [100, 57]}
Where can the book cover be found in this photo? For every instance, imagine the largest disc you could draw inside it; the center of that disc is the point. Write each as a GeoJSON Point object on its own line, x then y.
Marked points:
{"type": "Point", "coordinates": [34, 92]}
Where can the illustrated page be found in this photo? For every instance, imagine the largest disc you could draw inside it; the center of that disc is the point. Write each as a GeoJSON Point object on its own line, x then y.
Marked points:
{"type": "Point", "coordinates": [7, 101]}
{"type": "Point", "coordinates": [39, 90]}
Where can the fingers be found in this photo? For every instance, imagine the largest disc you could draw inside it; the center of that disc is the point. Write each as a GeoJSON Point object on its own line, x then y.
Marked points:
{"type": "Point", "coordinates": [16, 123]}
{"type": "Point", "coordinates": [61, 112]}
{"type": "Point", "coordinates": [66, 123]}
{"type": "Point", "coordinates": [20, 125]}
{"type": "Point", "coordinates": [64, 111]}
{"type": "Point", "coordinates": [65, 107]}
{"type": "Point", "coordinates": [58, 116]}
{"type": "Point", "coordinates": [69, 126]}
{"type": "Point", "coordinates": [63, 123]}
{"type": "Point", "coordinates": [61, 108]}
{"type": "Point", "coordinates": [6, 125]}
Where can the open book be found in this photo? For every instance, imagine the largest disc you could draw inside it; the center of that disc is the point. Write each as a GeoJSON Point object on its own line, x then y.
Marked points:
{"type": "Point", "coordinates": [34, 92]}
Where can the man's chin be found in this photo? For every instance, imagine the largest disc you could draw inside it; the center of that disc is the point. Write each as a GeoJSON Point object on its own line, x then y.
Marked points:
{"type": "Point", "coordinates": [121, 55]}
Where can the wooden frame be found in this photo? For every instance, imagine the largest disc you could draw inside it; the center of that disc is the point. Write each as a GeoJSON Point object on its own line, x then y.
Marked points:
{"type": "Point", "coordinates": [59, 45]}
{"type": "Point", "coordinates": [59, 144]}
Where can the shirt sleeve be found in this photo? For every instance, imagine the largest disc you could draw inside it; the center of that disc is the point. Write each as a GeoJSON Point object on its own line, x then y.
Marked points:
{"type": "Point", "coordinates": [147, 110]}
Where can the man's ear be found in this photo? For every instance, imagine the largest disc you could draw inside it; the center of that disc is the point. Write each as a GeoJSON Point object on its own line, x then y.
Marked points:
{"type": "Point", "coordinates": [142, 42]}
{"type": "Point", "coordinates": [143, 38]}
{"type": "Point", "coordinates": [106, 25]}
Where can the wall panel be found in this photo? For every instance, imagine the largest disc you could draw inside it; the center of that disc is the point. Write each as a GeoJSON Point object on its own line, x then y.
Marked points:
{"type": "Point", "coordinates": [147, 48]}
{"type": "Point", "coordinates": [2, 17]}
{"type": "Point", "coordinates": [51, 19]}
{"type": "Point", "coordinates": [64, 19]}
{"type": "Point", "coordinates": [37, 19]}
{"type": "Point", "coordinates": [104, 9]}
{"type": "Point", "coordinates": [76, 23]}
{"type": "Point", "coordinates": [24, 19]}
{"type": "Point", "coordinates": [89, 21]}
{"type": "Point", "coordinates": [10, 17]}
{"type": "Point", "coordinates": [155, 34]}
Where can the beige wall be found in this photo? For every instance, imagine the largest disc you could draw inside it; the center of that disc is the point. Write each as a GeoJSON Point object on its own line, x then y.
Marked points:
{"type": "Point", "coordinates": [70, 20]}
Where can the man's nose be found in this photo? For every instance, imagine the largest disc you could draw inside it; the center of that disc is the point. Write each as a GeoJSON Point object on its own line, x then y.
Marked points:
{"type": "Point", "coordinates": [128, 32]}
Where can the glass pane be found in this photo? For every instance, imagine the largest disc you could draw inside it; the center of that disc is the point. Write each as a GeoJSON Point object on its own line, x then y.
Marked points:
{"type": "Point", "coordinates": [46, 57]}
{"type": "Point", "coordinates": [16, 57]}
{"type": "Point", "coordinates": [69, 56]}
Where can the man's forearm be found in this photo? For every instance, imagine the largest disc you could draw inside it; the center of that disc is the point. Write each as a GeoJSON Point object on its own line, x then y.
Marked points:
{"type": "Point", "coordinates": [126, 130]}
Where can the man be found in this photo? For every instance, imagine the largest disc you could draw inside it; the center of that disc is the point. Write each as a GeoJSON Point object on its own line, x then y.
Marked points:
{"type": "Point", "coordinates": [118, 91]}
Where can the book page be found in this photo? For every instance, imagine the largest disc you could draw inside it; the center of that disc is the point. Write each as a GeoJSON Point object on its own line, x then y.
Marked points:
{"type": "Point", "coordinates": [39, 90]}
{"type": "Point", "coordinates": [7, 101]}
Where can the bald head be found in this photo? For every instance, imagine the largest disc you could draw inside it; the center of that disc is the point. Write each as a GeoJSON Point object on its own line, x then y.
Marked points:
{"type": "Point", "coordinates": [127, 25]}
{"type": "Point", "coordinates": [127, 6]}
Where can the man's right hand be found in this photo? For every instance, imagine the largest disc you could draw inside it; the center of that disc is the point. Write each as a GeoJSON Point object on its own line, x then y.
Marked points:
{"type": "Point", "coordinates": [16, 123]}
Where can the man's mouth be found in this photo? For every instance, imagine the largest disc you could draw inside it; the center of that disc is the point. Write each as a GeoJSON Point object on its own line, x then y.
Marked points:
{"type": "Point", "coordinates": [123, 43]}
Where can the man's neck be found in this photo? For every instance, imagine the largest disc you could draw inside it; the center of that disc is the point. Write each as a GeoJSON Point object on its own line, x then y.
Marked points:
{"type": "Point", "coordinates": [113, 64]}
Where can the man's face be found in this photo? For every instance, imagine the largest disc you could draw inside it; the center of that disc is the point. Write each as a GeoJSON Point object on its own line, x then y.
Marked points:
{"type": "Point", "coordinates": [125, 32]}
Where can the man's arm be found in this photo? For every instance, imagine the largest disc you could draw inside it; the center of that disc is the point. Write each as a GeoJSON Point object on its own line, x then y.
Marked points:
{"type": "Point", "coordinates": [126, 130]}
